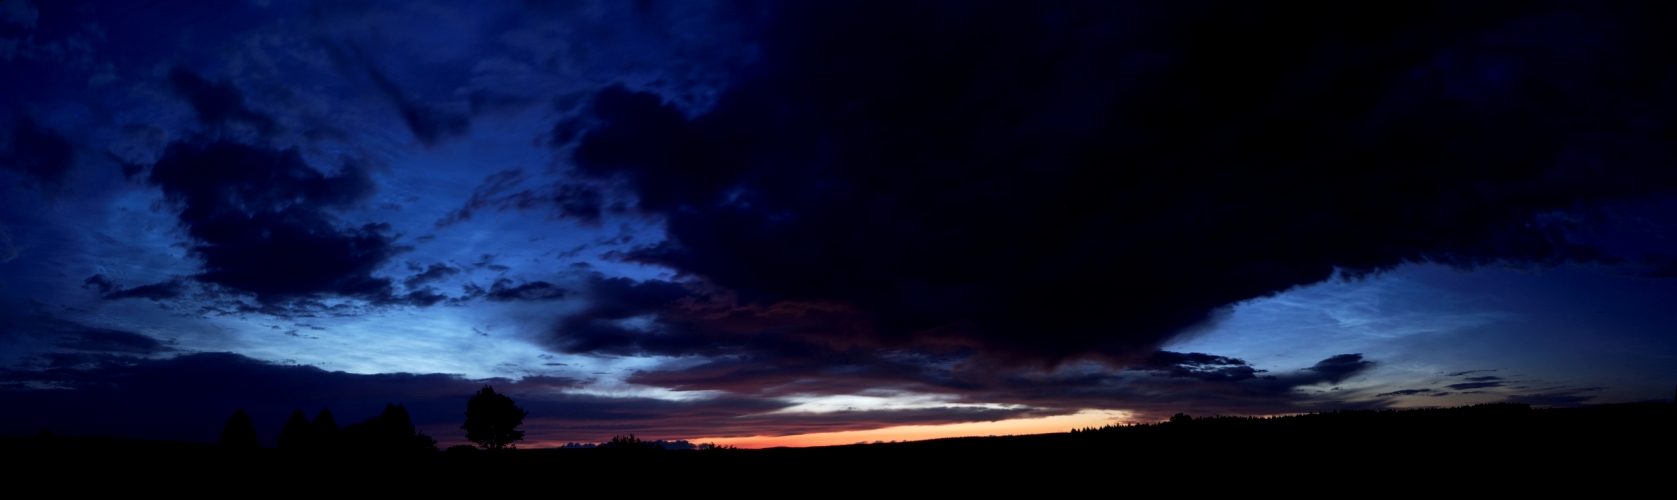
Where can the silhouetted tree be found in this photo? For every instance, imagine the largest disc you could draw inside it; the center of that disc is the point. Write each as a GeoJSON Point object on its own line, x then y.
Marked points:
{"type": "Point", "coordinates": [491, 420]}
{"type": "Point", "coordinates": [1181, 418]}
{"type": "Point", "coordinates": [391, 431]}
{"type": "Point", "coordinates": [239, 433]}
{"type": "Point", "coordinates": [295, 434]}
{"type": "Point", "coordinates": [323, 432]}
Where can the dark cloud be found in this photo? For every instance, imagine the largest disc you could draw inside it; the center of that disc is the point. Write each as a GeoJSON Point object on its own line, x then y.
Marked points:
{"type": "Point", "coordinates": [102, 283]}
{"type": "Point", "coordinates": [1338, 368]}
{"type": "Point", "coordinates": [261, 221]}
{"type": "Point", "coordinates": [430, 124]}
{"type": "Point", "coordinates": [425, 297]}
{"type": "Point", "coordinates": [55, 334]}
{"type": "Point", "coordinates": [600, 327]}
{"type": "Point", "coordinates": [41, 155]}
{"type": "Point", "coordinates": [1405, 392]}
{"type": "Point", "coordinates": [1472, 385]}
{"type": "Point", "coordinates": [830, 349]}
{"type": "Point", "coordinates": [503, 290]}
{"type": "Point", "coordinates": [1458, 374]}
{"type": "Point", "coordinates": [1043, 182]}
{"type": "Point", "coordinates": [156, 291]}
{"type": "Point", "coordinates": [1560, 397]}
{"type": "Point", "coordinates": [130, 171]}
{"type": "Point", "coordinates": [432, 273]}
{"type": "Point", "coordinates": [1657, 267]}
{"type": "Point", "coordinates": [218, 103]}
{"type": "Point", "coordinates": [111, 290]}
{"type": "Point", "coordinates": [1197, 365]}
{"type": "Point", "coordinates": [849, 371]}
{"type": "Point", "coordinates": [1486, 378]}
{"type": "Point", "coordinates": [501, 191]}
{"type": "Point", "coordinates": [189, 397]}
{"type": "Point", "coordinates": [105, 340]}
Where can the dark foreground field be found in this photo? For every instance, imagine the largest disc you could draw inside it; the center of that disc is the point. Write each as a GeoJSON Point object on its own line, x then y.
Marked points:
{"type": "Point", "coordinates": [1508, 447]}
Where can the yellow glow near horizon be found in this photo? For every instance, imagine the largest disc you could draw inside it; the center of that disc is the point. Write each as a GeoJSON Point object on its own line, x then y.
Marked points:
{"type": "Point", "coordinates": [1020, 426]}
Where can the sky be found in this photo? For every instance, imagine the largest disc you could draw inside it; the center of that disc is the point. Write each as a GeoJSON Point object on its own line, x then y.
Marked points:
{"type": "Point", "coordinates": [805, 223]}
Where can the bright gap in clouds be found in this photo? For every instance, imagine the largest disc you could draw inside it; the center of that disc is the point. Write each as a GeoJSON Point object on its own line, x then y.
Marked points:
{"type": "Point", "coordinates": [1013, 427]}
{"type": "Point", "coordinates": [1422, 324]}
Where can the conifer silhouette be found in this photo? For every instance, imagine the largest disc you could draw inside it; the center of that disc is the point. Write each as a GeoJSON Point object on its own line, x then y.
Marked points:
{"type": "Point", "coordinates": [295, 434]}
{"type": "Point", "coordinates": [239, 433]}
{"type": "Point", "coordinates": [323, 432]}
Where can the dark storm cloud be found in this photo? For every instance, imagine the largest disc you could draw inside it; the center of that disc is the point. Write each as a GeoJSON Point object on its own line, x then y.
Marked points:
{"type": "Point", "coordinates": [41, 155]}
{"type": "Point", "coordinates": [792, 349]}
{"type": "Point", "coordinates": [218, 103]}
{"type": "Point", "coordinates": [1405, 392]}
{"type": "Point", "coordinates": [1039, 182]}
{"type": "Point", "coordinates": [189, 397]}
{"type": "Point", "coordinates": [261, 221]}
{"type": "Point", "coordinates": [598, 328]}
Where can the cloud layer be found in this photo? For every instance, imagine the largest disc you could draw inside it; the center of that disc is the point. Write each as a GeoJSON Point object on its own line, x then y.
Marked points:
{"type": "Point", "coordinates": [1044, 182]}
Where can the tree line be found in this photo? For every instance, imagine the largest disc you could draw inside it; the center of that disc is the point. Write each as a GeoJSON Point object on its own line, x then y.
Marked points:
{"type": "Point", "coordinates": [491, 422]}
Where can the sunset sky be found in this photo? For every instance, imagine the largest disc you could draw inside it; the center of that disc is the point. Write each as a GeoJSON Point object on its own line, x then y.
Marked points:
{"type": "Point", "coordinates": [810, 222]}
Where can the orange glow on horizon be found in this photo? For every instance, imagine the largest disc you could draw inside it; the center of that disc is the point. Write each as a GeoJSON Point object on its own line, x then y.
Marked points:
{"type": "Point", "coordinates": [1022, 426]}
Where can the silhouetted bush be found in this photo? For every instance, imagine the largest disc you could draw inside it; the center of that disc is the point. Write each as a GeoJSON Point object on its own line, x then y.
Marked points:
{"type": "Point", "coordinates": [462, 448]}
{"type": "Point", "coordinates": [630, 444]}
{"type": "Point", "coordinates": [491, 420]}
{"type": "Point", "coordinates": [295, 434]}
{"type": "Point", "coordinates": [239, 433]}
